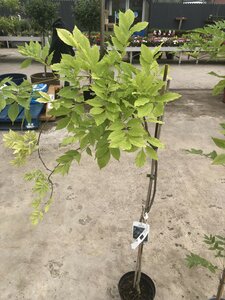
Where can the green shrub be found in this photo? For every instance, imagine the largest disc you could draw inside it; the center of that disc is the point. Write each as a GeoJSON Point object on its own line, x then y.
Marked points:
{"type": "Point", "coordinates": [41, 13]}
{"type": "Point", "coordinates": [87, 15]}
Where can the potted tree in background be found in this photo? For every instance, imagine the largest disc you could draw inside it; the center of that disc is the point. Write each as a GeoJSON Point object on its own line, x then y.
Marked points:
{"type": "Point", "coordinates": [117, 119]}
{"type": "Point", "coordinates": [42, 14]}
{"type": "Point", "coordinates": [87, 15]}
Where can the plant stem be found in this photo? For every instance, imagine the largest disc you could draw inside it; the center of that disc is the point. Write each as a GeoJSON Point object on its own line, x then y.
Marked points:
{"type": "Point", "coordinates": [151, 193]}
{"type": "Point", "coordinates": [221, 286]}
{"type": "Point", "coordinates": [102, 29]}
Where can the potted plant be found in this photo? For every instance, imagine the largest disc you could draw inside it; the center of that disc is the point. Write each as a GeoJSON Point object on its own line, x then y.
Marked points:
{"type": "Point", "coordinates": [117, 119]}
{"type": "Point", "coordinates": [87, 15]}
{"type": "Point", "coordinates": [216, 244]}
{"type": "Point", "coordinates": [208, 42]}
{"type": "Point", "coordinates": [42, 13]}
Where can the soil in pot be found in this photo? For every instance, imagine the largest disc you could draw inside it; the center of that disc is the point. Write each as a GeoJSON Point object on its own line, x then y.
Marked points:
{"type": "Point", "coordinates": [127, 292]}
{"type": "Point", "coordinates": [17, 78]}
{"type": "Point", "coordinates": [48, 78]}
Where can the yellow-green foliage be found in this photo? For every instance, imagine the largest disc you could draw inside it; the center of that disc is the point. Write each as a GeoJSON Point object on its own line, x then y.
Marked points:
{"type": "Point", "coordinates": [22, 145]}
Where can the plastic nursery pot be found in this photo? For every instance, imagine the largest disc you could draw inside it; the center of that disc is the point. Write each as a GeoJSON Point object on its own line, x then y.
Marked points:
{"type": "Point", "coordinates": [127, 292]}
{"type": "Point", "coordinates": [169, 55]}
{"type": "Point", "coordinates": [17, 78]}
{"type": "Point", "coordinates": [89, 94]}
{"type": "Point", "coordinates": [48, 78]}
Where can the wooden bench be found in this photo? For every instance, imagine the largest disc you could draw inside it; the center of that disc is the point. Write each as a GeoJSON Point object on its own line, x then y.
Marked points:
{"type": "Point", "coordinates": [8, 39]}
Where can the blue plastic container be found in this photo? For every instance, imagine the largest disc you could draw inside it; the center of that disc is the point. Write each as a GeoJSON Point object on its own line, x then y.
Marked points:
{"type": "Point", "coordinates": [17, 78]}
{"type": "Point", "coordinates": [41, 87]}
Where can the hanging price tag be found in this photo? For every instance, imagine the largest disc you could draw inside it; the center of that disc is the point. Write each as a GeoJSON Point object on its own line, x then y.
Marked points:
{"type": "Point", "coordinates": [140, 234]}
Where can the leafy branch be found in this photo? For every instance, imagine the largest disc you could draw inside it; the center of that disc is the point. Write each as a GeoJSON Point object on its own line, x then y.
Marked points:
{"type": "Point", "coordinates": [216, 244]}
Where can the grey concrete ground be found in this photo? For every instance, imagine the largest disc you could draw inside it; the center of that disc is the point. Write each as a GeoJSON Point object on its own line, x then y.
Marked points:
{"type": "Point", "coordinates": [82, 247]}
{"type": "Point", "coordinates": [185, 76]}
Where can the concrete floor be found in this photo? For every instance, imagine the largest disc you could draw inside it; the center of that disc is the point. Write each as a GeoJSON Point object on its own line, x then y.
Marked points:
{"type": "Point", "coordinates": [184, 76]}
{"type": "Point", "coordinates": [82, 247]}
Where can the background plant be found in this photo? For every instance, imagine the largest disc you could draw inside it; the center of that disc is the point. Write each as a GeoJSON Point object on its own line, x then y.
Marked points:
{"type": "Point", "coordinates": [217, 246]}
{"type": "Point", "coordinates": [10, 7]}
{"type": "Point", "coordinates": [42, 14]}
{"type": "Point", "coordinates": [209, 42]}
{"type": "Point", "coordinates": [87, 15]}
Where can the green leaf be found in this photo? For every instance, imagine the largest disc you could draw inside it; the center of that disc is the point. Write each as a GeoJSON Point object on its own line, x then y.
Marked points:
{"type": "Point", "coordinates": [13, 111]}
{"type": "Point", "coordinates": [141, 101]}
{"type": "Point", "coordinates": [219, 160]}
{"type": "Point", "coordinates": [219, 88]}
{"type": "Point", "coordinates": [26, 63]}
{"type": "Point", "coordinates": [68, 140]}
{"type": "Point", "coordinates": [137, 141]}
{"type": "Point", "coordinates": [117, 135]}
{"type": "Point", "coordinates": [140, 159]}
{"type": "Point", "coordinates": [99, 119]}
{"type": "Point", "coordinates": [138, 27]}
{"type": "Point", "coordinates": [194, 260]}
{"type": "Point", "coordinates": [117, 125]}
{"type": "Point", "coordinates": [194, 151]}
{"type": "Point", "coordinates": [155, 142]}
{"type": "Point", "coordinates": [158, 110]}
{"type": "Point", "coordinates": [146, 54]}
{"type": "Point", "coordinates": [96, 111]}
{"type": "Point", "coordinates": [62, 123]}
{"type": "Point", "coordinates": [151, 153]}
{"type": "Point", "coordinates": [66, 37]}
{"type": "Point", "coordinates": [95, 102]}
{"type": "Point", "coordinates": [145, 110]}
{"type": "Point", "coordinates": [217, 75]}
{"type": "Point", "coordinates": [103, 160]}
{"type": "Point", "coordinates": [117, 44]}
{"type": "Point", "coordinates": [2, 104]}
{"type": "Point", "coordinates": [115, 153]}
{"type": "Point", "coordinates": [219, 143]}
{"type": "Point", "coordinates": [167, 97]}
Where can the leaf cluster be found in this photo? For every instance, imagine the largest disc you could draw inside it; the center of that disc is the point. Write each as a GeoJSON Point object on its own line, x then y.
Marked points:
{"type": "Point", "coordinates": [218, 159]}
{"type": "Point", "coordinates": [125, 97]}
{"type": "Point", "coordinates": [126, 100]}
{"type": "Point", "coordinates": [22, 145]}
{"type": "Point", "coordinates": [15, 96]}
{"type": "Point", "coordinates": [41, 188]}
{"type": "Point", "coordinates": [34, 51]}
{"type": "Point", "coordinates": [217, 245]}
{"type": "Point", "coordinates": [210, 40]}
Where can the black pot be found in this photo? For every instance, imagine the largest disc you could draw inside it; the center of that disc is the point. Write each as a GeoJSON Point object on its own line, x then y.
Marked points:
{"type": "Point", "coordinates": [48, 78]}
{"type": "Point", "coordinates": [169, 55]}
{"type": "Point", "coordinates": [89, 94]}
{"type": "Point", "coordinates": [127, 292]}
{"type": "Point", "coordinates": [17, 78]}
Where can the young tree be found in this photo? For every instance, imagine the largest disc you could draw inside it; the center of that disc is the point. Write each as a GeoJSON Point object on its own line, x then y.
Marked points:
{"type": "Point", "coordinates": [42, 13]}
{"type": "Point", "coordinates": [87, 15]}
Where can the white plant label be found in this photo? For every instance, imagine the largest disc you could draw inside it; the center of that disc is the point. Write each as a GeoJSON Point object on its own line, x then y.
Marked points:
{"type": "Point", "coordinates": [140, 233]}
